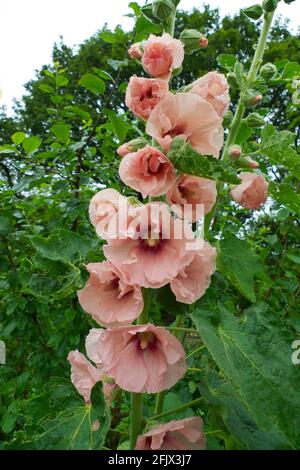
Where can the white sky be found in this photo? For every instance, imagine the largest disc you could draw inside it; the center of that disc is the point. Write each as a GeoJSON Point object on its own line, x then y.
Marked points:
{"type": "Point", "coordinates": [29, 28]}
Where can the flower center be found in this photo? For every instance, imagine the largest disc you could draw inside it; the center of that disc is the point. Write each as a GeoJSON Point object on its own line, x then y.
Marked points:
{"type": "Point", "coordinates": [146, 339]}
{"type": "Point", "coordinates": [152, 242]}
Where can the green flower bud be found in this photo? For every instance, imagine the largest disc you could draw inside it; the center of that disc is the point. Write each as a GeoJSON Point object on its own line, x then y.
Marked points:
{"type": "Point", "coordinates": [228, 119]}
{"type": "Point", "coordinates": [254, 12]}
{"type": "Point", "coordinates": [268, 71]}
{"type": "Point", "coordinates": [270, 5]}
{"type": "Point", "coordinates": [192, 40]}
{"type": "Point", "coordinates": [163, 9]}
{"type": "Point", "coordinates": [132, 146]}
{"type": "Point", "coordinates": [255, 120]}
{"type": "Point", "coordinates": [251, 98]}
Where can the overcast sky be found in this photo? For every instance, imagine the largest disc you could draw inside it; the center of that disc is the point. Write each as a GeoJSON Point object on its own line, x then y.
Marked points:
{"type": "Point", "coordinates": [29, 28]}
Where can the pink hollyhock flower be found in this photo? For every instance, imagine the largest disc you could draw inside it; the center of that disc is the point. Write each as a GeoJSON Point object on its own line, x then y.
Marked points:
{"type": "Point", "coordinates": [108, 297]}
{"type": "Point", "coordinates": [192, 197]}
{"type": "Point", "coordinates": [189, 117]}
{"type": "Point", "coordinates": [193, 280]}
{"type": "Point", "coordinates": [252, 192]}
{"type": "Point", "coordinates": [162, 55]}
{"type": "Point", "coordinates": [141, 358]}
{"type": "Point", "coordinates": [214, 88]}
{"type": "Point", "coordinates": [148, 171]}
{"type": "Point", "coordinates": [143, 94]}
{"type": "Point", "coordinates": [185, 434]}
{"type": "Point", "coordinates": [83, 374]}
{"type": "Point", "coordinates": [135, 51]}
{"type": "Point", "coordinates": [104, 211]}
{"type": "Point", "coordinates": [157, 248]}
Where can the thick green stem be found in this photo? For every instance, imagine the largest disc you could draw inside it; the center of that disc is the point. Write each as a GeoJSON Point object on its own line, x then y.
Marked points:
{"type": "Point", "coordinates": [177, 410]}
{"type": "Point", "coordinates": [240, 110]}
{"type": "Point", "coordinates": [159, 403]}
{"type": "Point", "coordinates": [136, 413]}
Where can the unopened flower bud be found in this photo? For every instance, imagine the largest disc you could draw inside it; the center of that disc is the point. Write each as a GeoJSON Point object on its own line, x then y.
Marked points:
{"type": "Point", "coordinates": [247, 162]}
{"type": "Point", "coordinates": [270, 5]}
{"type": "Point", "coordinates": [135, 51]}
{"type": "Point", "coordinates": [255, 120]}
{"type": "Point", "coordinates": [235, 151]}
{"type": "Point", "coordinates": [193, 40]}
{"type": "Point", "coordinates": [228, 119]}
{"type": "Point", "coordinates": [268, 71]}
{"type": "Point", "coordinates": [254, 12]}
{"type": "Point", "coordinates": [252, 99]}
{"type": "Point", "coordinates": [163, 9]}
{"type": "Point", "coordinates": [132, 146]}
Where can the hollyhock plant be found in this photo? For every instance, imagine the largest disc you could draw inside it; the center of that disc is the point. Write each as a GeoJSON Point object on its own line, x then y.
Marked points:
{"type": "Point", "coordinates": [156, 250]}
{"type": "Point", "coordinates": [143, 94]}
{"type": "Point", "coordinates": [148, 171]}
{"type": "Point", "coordinates": [214, 88]}
{"type": "Point", "coordinates": [185, 434]}
{"type": "Point", "coordinates": [141, 358]}
{"type": "Point", "coordinates": [194, 279]}
{"type": "Point", "coordinates": [162, 55]}
{"type": "Point", "coordinates": [190, 117]}
{"type": "Point", "coordinates": [252, 192]}
{"type": "Point", "coordinates": [108, 297]}
{"type": "Point", "coordinates": [192, 197]}
{"type": "Point", "coordinates": [83, 374]}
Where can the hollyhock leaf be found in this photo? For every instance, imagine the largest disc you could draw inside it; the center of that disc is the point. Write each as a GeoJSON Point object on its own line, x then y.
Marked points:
{"type": "Point", "coordinates": [61, 132]}
{"type": "Point", "coordinates": [278, 147]}
{"type": "Point", "coordinates": [224, 401]}
{"type": "Point", "coordinates": [92, 83]}
{"type": "Point", "coordinates": [189, 161]}
{"type": "Point", "coordinates": [254, 354]}
{"type": "Point", "coordinates": [287, 195]}
{"type": "Point", "coordinates": [118, 124]}
{"type": "Point", "coordinates": [227, 61]}
{"type": "Point", "coordinates": [61, 420]}
{"type": "Point", "coordinates": [62, 245]}
{"type": "Point", "coordinates": [239, 263]}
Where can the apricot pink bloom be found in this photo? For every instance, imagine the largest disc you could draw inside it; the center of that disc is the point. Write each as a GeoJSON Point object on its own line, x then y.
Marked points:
{"type": "Point", "coordinates": [192, 197]}
{"type": "Point", "coordinates": [190, 117]}
{"type": "Point", "coordinates": [142, 358]}
{"type": "Point", "coordinates": [143, 94]}
{"type": "Point", "coordinates": [185, 434]}
{"type": "Point", "coordinates": [135, 51]}
{"type": "Point", "coordinates": [148, 171]}
{"type": "Point", "coordinates": [252, 192]}
{"type": "Point", "coordinates": [123, 150]}
{"type": "Point", "coordinates": [83, 374]}
{"type": "Point", "coordinates": [193, 280]}
{"type": "Point", "coordinates": [104, 210]}
{"type": "Point", "coordinates": [109, 298]}
{"type": "Point", "coordinates": [156, 249]}
{"type": "Point", "coordinates": [162, 55]}
{"type": "Point", "coordinates": [214, 88]}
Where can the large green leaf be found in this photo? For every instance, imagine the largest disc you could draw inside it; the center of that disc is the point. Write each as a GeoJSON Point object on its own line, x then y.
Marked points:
{"type": "Point", "coordinates": [254, 353]}
{"type": "Point", "coordinates": [60, 420]}
{"type": "Point", "coordinates": [239, 263]}
{"type": "Point", "coordinates": [92, 83]}
{"type": "Point", "coordinates": [224, 401]}
{"type": "Point", "coordinates": [62, 245]}
{"type": "Point", "coordinates": [187, 160]}
{"type": "Point", "coordinates": [279, 148]}
{"type": "Point", "coordinates": [287, 195]}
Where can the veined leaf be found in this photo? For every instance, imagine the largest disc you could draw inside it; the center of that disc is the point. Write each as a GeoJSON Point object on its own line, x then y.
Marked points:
{"type": "Point", "coordinates": [189, 161]}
